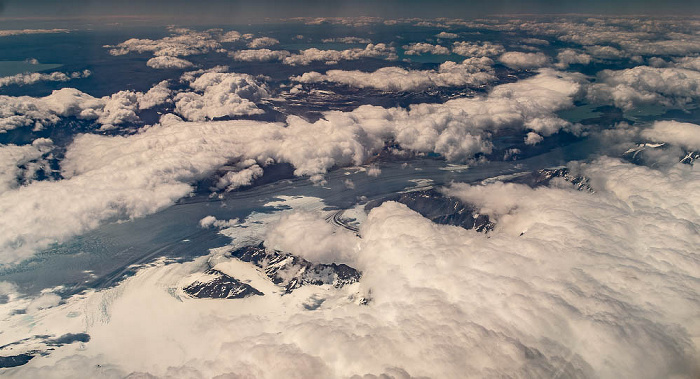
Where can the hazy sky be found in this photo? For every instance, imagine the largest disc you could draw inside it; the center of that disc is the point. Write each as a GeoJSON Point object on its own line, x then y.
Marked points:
{"type": "Point", "coordinates": [247, 10]}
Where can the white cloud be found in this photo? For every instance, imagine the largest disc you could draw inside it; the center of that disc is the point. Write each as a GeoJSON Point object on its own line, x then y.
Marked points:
{"type": "Point", "coordinates": [182, 42]}
{"type": "Point", "coordinates": [472, 71]}
{"type": "Point", "coordinates": [19, 164]}
{"type": "Point", "coordinates": [168, 62]}
{"type": "Point", "coordinates": [157, 95]}
{"type": "Point", "coordinates": [109, 111]}
{"type": "Point", "coordinates": [374, 171]}
{"type": "Point", "coordinates": [309, 236]}
{"type": "Point", "coordinates": [307, 56]}
{"type": "Point", "coordinates": [683, 134]}
{"type": "Point", "coordinates": [257, 43]}
{"type": "Point", "coordinates": [606, 52]}
{"type": "Point", "coordinates": [447, 35]}
{"type": "Point", "coordinates": [692, 63]}
{"type": "Point", "coordinates": [469, 49]}
{"type": "Point", "coordinates": [259, 55]}
{"type": "Point", "coordinates": [35, 77]}
{"type": "Point", "coordinates": [520, 61]}
{"type": "Point", "coordinates": [425, 48]}
{"type": "Point", "coordinates": [230, 36]}
{"type": "Point", "coordinates": [16, 32]}
{"type": "Point", "coordinates": [567, 57]}
{"type": "Point", "coordinates": [533, 138]}
{"type": "Point", "coordinates": [211, 221]}
{"type": "Point", "coordinates": [246, 172]}
{"type": "Point", "coordinates": [220, 95]}
{"type": "Point", "coordinates": [349, 40]}
{"type": "Point", "coordinates": [126, 177]}
{"type": "Point", "coordinates": [673, 87]}
{"type": "Point", "coordinates": [593, 284]}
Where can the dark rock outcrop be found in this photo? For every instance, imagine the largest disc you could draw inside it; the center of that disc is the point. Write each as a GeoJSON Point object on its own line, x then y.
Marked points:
{"type": "Point", "coordinates": [220, 286]}
{"type": "Point", "coordinates": [15, 360]}
{"type": "Point", "coordinates": [440, 209]}
{"type": "Point", "coordinates": [544, 177]}
{"type": "Point", "coordinates": [292, 272]}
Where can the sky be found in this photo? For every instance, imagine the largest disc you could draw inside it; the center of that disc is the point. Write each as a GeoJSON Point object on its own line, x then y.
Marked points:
{"type": "Point", "coordinates": [250, 11]}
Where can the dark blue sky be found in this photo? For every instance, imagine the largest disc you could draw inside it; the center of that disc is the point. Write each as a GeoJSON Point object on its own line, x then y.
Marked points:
{"type": "Point", "coordinates": [252, 10]}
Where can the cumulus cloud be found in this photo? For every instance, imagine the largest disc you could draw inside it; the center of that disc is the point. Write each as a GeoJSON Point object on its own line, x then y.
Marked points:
{"type": "Point", "coordinates": [349, 40]}
{"type": "Point", "coordinates": [259, 55]}
{"type": "Point", "coordinates": [447, 35]}
{"type": "Point", "coordinates": [305, 57]}
{"type": "Point", "coordinates": [109, 111]}
{"type": "Point", "coordinates": [19, 164]}
{"type": "Point", "coordinates": [220, 94]}
{"type": "Point", "coordinates": [35, 77]}
{"type": "Point", "coordinates": [692, 63]}
{"type": "Point", "coordinates": [471, 49]}
{"type": "Point", "coordinates": [611, 36]}
{"type": "Point", "coordinates": [211, 221]}
{"type": "Point", "coordinates": [524, 300]}
{"type": "Point", "coordinates": [567, 57]}
{"type": "Point", "coordinates": [245, 173]}
{"type": "Point", "coordinates": [126, 177]}
{"type": "Point", "coordinates": [533, 138]}
{"type": "Point", "coordinates": [168, 62]}
{"type": "Point", "coordinates": [309, 236]}
{"type": "Point", "coordinates": [520, 61]}
{"type": "Point", "coordinates": [425, 48]}
{"type": "Point", "coordinates": [16, 32]}
{"type": "Point", "coordinates": [185, 42]}
{"type": "Point", "coordinates": [669, 86]}
{"type": "Point", "coordinates": [471, 72]}
{"type": "Point", "coordinates": [260, 42]}
{"type": "Point", "coordinates": [683, 134]}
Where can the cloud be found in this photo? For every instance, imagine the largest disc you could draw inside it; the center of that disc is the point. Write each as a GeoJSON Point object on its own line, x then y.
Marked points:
{"type": "Point", "coordinates": [566, 57]}
{"type": "Point", "coordinates": [259, 55]}
{"type": "Point", "coordinates": [20, 164]}
{"type": "Point", "coordinates": [447, 35]}
{"type": "Point", "coordinates": [109, 111]}
{"type": "Point", "coordinates": [168, 62]}
{"type": "Point", "coordinates": [692, 63]}
{"type": "Point", "coordinates": [211, 221]}
{"type": "Point", "coordinates": [470, 49]}
{"type": "Point", "coordinates": [257, 43]}
{"type": "Point", "coordinates": [220, 94]}
{"type": "Point", "coordinates": [349, 40]}
{"type": "Point", "coordinates": [17, 32]}
{"type": "Point", "coordinates": [309, 236]}
{"type": "Point", "coordinates": [683, 134]}
{"type": "Point", "coordinates": [307, 56]}
{"type": "Point", "coordinates": [569, 283]}
{"type": "Point", "coordinates": [641, 85]}
{"type": "Point", "coordinates": [35, 77]}
{"type": "Point", "coordinates": [245, 173]}
{"type": "Point", "coordinates": [157, 95]}
{"type": "Point", "coordinates": [533, 138]}
{"type": "Point", "coordinates": [520, 61]}
{"type": "Point", "coordinates": [471, 72]}
{"type": "Point", "coordinates": [119, 177]}
{"type": "Point", "coordinates": [421, 48]}
{"type": "Point", "coordinates": [182, 42]}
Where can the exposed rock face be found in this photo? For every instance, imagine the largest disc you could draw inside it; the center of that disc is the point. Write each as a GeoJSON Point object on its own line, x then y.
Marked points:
{"type": "Point", "coordinates": [691, 157]}
{"type": "Point", "coordinates": [15, 360]}
{"type": "Point", "coordinates": [544, 177]}
{"type": "Point", "coordinates": [645, 152]}
{"type": "Point", "coordinates": [292, 272]}
{"type": "Point", "coordinates": [441, 209]}
{"type": "Point", "coordinates": [217, 285]}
